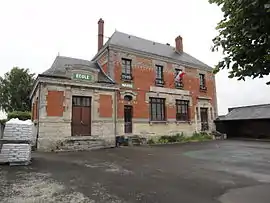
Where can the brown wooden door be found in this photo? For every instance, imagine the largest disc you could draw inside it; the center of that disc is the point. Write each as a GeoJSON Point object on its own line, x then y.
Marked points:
{"type": "Point", "coordinates": [81, 116]}
{"type": "Point", "coordinates": [204, 119]}
{"type": "Point", "coordinates": [128, 119]}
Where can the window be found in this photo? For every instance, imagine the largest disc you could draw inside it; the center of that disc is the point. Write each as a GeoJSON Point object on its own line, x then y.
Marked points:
{"type": "Point", "coordinates": [157, 109]}
{"type": "Point", "coordinates": [128, 98]}
{"type": "Point", "coordinates": [202, 82]}
{"type": "Point", "coordinates": [182, 112]}
{"type": "Point", "coordinates": [126, 69]}
{"type": "Point", "coordinates": [179, 83]}
{"type": "Point", "coordinates": [159, 75]}
{"type": "Point", "coordinates": [81, 101]}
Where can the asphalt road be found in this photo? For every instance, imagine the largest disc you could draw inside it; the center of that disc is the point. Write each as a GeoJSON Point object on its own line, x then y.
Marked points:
{"type": "Point", "coordinates": [209, 172]}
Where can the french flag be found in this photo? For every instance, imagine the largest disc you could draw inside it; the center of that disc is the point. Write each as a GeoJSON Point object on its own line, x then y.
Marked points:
{"type": "Point", "coordinates": [179, 76]}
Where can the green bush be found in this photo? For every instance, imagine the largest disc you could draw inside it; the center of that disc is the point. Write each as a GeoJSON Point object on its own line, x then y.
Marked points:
{"type": "Point", "coordinates": [20, 115]}
{"type": "Point", "coordinates": [3, 121]}
{"type": "Point", "coordinates": [196, 136]}
{"type": "Point", "coordinates": [172, 138]}
{"type": "Point", "coordinates": [201, 136]}
{"type": "Point", "coordinates": [163, 140]}
{"type": "Point", "coordinates": [151, 141]}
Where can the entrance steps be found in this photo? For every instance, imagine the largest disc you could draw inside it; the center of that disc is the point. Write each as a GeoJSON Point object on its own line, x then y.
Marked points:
{"type": "Point", "coordinates": [80, 144]}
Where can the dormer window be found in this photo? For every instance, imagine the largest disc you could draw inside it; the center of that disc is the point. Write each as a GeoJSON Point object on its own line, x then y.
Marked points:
{"type": "Point", "coordinates": [126, 70]}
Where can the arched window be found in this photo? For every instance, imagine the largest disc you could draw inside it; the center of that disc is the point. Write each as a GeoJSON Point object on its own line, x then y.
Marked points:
{"type": "Point", "coordinates": [128, 98]}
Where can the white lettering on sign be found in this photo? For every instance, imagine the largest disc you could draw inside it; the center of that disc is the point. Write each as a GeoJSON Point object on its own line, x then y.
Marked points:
{"type": "Point", "coordinates": [127, 85]}
{"type": "Point", "coordinates": [82, 76]}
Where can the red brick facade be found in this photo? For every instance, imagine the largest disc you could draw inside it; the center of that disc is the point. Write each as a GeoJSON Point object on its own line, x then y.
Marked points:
{"type": "Point", "coordinates": [105, 106]}
{"type": "Point", "coordinates": [143, 72]}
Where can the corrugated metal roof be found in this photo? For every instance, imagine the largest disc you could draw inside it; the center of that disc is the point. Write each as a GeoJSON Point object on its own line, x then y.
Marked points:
{"type": "Point", "coordinates": [248, 112]}
{"type": "Point", "coordinates": [136, 43]}
{"type": "Point", "coordinates": [62, 65]}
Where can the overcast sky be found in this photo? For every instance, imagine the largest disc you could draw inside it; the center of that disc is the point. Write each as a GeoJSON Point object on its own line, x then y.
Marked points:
{"type": "Point", "coordinates": [33, 32]}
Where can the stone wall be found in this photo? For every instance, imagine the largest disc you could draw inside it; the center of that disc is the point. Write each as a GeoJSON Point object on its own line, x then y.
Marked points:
{"type": "Point", "coordinates": [54, 130]}
{"type": "Point", "coordinates": [147, 129]}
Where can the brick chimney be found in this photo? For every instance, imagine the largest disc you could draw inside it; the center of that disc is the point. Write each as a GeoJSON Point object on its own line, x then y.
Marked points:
{"type": "Point", "coordinates": [100, 33]}
{"type": "Point", "coordinates": [179, 44]}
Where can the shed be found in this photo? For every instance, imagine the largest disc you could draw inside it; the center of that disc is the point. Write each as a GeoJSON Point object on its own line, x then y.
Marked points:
{"type": "Point", "coordinates": [246, 122]}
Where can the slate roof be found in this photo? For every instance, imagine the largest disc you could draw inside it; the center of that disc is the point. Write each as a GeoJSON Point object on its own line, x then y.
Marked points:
{"type": "Point", "coordinates": [248, 112]}
{"type": "Point", "coordinates": [62, 65]}
{"type": "Point", "coordinates": [139, 44]}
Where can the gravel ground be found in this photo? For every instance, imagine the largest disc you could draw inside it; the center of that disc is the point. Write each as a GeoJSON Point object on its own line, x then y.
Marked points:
{"type": "Point", "coordinates": [209, 172]}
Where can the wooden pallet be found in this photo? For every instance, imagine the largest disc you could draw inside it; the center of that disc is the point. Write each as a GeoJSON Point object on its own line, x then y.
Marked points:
{"type": "Point", "coordinates": [21, 163]}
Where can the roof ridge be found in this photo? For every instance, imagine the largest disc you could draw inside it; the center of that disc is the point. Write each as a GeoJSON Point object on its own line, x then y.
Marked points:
{"type": "Point", "coordinates": [144, 38]}
{"type": "Point", "coordinates": [248, 106]}
{"type": "Point", "coordinates": [67, 57]}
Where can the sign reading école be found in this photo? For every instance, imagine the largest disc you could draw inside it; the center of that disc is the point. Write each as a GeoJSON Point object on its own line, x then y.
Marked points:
{"type": "Point", "coordinates": [81, 76]}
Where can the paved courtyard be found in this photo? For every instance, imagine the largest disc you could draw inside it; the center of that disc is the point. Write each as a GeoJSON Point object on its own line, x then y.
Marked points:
{"type": "Point", "coordinates": [209, 172]}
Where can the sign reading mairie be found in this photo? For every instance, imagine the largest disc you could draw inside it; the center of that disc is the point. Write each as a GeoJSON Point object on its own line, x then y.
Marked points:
{"type": "Point", "coordinates": [80, 76]}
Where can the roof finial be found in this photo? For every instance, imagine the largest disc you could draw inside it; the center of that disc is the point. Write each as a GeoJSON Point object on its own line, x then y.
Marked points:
{"type": "Point", "coordinates": [58, 54]}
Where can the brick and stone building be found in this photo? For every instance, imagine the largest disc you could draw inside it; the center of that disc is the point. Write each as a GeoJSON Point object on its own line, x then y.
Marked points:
{"type": "Point", "coordinates": [128, 88]}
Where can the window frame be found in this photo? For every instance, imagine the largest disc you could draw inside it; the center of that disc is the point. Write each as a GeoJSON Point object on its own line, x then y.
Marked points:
{"type": "Point", "coordinates": [81, 101]}
{"type": "Point", "coordinates": [182, 110]}
{"type": "Point", "coordinates": [202, 81]}
{"type": "Point", "coordinates": [126, 69]}
{"type": "Point", "coordinates": [159, 104]}
{"type": "Point", "coordinates": [179, 84]}
{"type": "Point", "coordinates": [159, 75]}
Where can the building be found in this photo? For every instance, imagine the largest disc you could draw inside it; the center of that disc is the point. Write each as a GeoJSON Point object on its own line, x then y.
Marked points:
{"type": "Point", "coordinates": [246, 122]}
{"type": "Point", "coordinates": [128, 88]}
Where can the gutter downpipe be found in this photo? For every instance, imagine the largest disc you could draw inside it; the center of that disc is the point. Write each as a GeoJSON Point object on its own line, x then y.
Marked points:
{"type": "Point", "coordinates": [115, 116]}
{"type": "Point", "coordinates": [39, 99]}
{"type": "Point", "coordinates": [115, 100]}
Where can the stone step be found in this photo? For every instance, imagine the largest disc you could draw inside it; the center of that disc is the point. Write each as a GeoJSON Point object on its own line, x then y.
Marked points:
{"type": "Point", "coordinates": [80, 145]}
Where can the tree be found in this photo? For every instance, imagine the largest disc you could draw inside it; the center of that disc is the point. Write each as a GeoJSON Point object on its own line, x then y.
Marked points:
{"type": "Point", "coordinates": [244, 36]}
{"type": "Point", "coordinates": [15, 88]}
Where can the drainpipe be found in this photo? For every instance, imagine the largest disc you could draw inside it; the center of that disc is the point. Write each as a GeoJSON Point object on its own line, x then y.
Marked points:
{"type": "Point", "coordinates": [115, 97]}
{"type": "Point", "coordinates": [39, 100]}
{"type": "Point", "coordinates": [115, 115]}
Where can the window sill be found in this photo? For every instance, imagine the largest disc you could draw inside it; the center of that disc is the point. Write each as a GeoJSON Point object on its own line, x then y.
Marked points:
{"type": "Point", "coordinates": [203, 90]}
{"type": "Point", "coordinates": [126, 80]}
{"type": "Point", "coordinates": [158, 122]}
{"type": "Point", "coordinates": [183, 122]}
{"type": "Point", "coordinates": [159, 85]}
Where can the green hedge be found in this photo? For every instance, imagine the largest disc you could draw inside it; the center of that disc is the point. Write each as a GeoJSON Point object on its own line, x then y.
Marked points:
{"type": "Point", "coordinates": [20, 115]}
{"type": "Point", "coordinates": [3, 121]}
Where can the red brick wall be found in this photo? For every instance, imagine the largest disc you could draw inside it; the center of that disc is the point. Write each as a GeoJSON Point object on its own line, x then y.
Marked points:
{"type": "Point", "coordinates": [105, 67]}
{"type": "Point", "coordinates": [144, 76]}
{"type": "Point", "coordinates": [35, 110]}
{"type": "Point", "coordinates": [103, 61]}
{"type": "Point", "coordinates": [105, 106]}
{"type": "Point", "coordinates": [55, 101]}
